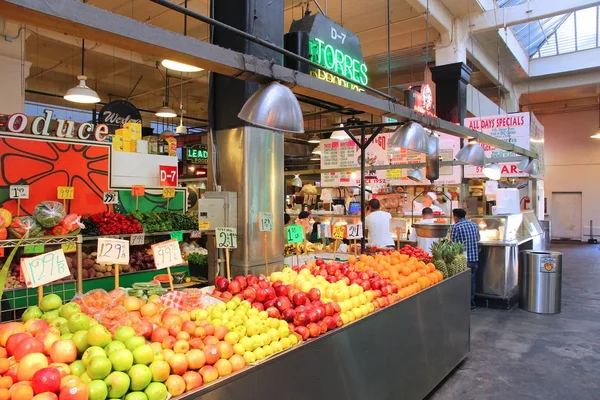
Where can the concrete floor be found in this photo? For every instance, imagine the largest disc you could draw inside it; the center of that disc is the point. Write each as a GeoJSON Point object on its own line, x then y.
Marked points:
{"type": "Point", "coordinates": [520, 355]}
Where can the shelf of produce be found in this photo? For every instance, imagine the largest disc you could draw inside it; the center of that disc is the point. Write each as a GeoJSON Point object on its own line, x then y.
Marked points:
{"type": "Point", "coordinates": [127, 236]}
{"type": "Point", "coordinates": [401, 351]}
{"type": "Point", "coordinates": [45, 240]}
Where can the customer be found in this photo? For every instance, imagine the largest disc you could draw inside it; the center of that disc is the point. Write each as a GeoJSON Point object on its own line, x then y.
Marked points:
{"type": "Point", "coordinates": [314, 236]}
{"type": "Point", "coordinates": [377, 225]}
{"type": "Point", "coordinates": [286, 219]}
{"type": "Point", "coordinates": [424, 242]}
{"type": "Point", "coordinates": [303, 220]}
{"type": "Point", "coordinates": [467, 232]}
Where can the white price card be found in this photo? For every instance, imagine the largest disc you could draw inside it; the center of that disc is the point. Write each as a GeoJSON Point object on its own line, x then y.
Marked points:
{"type": "Point", "coordinates": [226, 238]}
{"type": "Point", "coordinates": [18, 191]}
{"type": "Point", "coordinates": [110, 198]}
{"type": "Point", "coordinates": [45, 268]}
{"type": "Point", "coordinates": [195, 234]}
{"type": "Point", "coordinates": [113, 251]}
{"type": "Point", "coordinates": [137, 239]}
{"type": "Point", "coordinates": [355, 231]}
{"type": "Point", "coordinates": [265, 222]}
{"type": "Point", "coordinates": [167, 254]}
{"type": "Point", "coordinates": [324, 231]}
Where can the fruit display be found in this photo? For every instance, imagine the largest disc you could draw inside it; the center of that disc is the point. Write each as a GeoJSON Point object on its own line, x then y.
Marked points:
{"type": "Point", "coordinates": [409, 250]}
{"type": "Point", "coordinates": [116, 224]}
{"type": "Point", "coordinates": [290, 249]}
{"type": "Point", "coordinates": [449, 257]}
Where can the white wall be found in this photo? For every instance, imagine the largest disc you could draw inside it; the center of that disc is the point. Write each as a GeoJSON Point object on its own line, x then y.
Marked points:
{"type": "Point", "coordinates": [573, 161]}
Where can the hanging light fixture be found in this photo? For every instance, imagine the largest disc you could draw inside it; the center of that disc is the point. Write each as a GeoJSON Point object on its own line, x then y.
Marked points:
{"type": "Point", "coordinates": [180, 67]}
{"type": "Point", "coordinates": [165, 111]}
{"type": "Point", "coordinates": [411, 136]}
{"type": "Point", "coordinates": [274, 107]}
{"type": "Point", "coordinates": [317, 150]}
{"type": "Point", "coordinates": [181, 129]}
{"type": "Point", "coordinates": [315, 158]}
{"type": "Point", "coordinates": [82, 93]}
{"type": "Point", "coordinates": [415, 175]}
{"type": "Point", "coordinates": [340, 134]}
{"type": "Point", "coordinates": [297, 182]}
{"type": "Point", "coordinates": [202, 186]}
{"type": "Point", "coordinates": [493, 171]}
{"type": "Point", "coordinates": [314, 138]}
{"type": "Point", "coordinates": [472, 154]}
{"type": "Point", "coordinates": [532, 168]}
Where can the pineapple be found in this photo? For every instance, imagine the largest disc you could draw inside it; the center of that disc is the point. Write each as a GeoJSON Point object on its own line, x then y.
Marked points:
{"type": "Point", "coordinates": [438, 261]}
{"type": "Point", "coordinates": [459, 260]}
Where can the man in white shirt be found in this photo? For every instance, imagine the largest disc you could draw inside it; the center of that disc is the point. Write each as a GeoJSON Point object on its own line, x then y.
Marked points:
{"type": "Point", "coordinates": [422, 242]}
{"type": "Point", "coordinates": [377, 225]}
{"type": "Point", "coordinates": [428, 200]}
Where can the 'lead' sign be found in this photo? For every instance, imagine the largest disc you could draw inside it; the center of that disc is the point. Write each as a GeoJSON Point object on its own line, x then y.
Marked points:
{"type": "Point", "coordinates": [168, 175]}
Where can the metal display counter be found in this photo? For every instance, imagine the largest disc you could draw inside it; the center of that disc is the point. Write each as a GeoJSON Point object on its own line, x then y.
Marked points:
{"type": "Point", "coordinates": [400, 352]}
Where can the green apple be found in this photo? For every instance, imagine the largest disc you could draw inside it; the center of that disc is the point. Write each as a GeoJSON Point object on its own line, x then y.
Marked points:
{"type": "Point", "coordinates": [79, 322]}
{"type": "Point", "coordinates": [69, 309]}
{"type": "Point", "coordinates": [66, 336]}
{"type": "Point", "coordinates": [97, 390]}
{"type": "Point", "coordinates": [118, 384]}
{"type": "Point", "coordinates": [77, 368]}
{"type": "Point", "coordinates": [124, 333]}
{"type": "Point", "coordinates": [134, 342]}
{"type": "Point", "coordinates": [136, 396]}
{"type": "Point", "coordinates": [90, 353]}
{"type": "Point", "coordinates": [50, 316]}
{"type": "Point", "coordinates": [85, 378]}
{"type": "Point", "coordinates": [59, 322]}
{"type": "Point", "coordinates": [156, 391]}
{"type": "Point", "coordinates": [98, 335]}
{"type": "Point", "coordinates": [93, 322]}
{"type": "Point", "coordinates": [140, 376]}
{"type": "Point", "coordinates": [99, 367]}
{"type": "Point", "coordinates": [80, 340]}
{"type": "Point", "coordinates": [158, 356]}
{"type": "Point", "coordinates": [143, 355]}
{"type": "Point", "coordinates": [121, 360]}
{"type": "Point", "coordinates": [32, 312]}
{"type": "Point", "coordinates": [50, 302]}
{"type": "Point", "coordinates": [114, 346]}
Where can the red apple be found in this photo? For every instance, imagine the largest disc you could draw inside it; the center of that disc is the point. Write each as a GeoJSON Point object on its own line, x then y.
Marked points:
{"type": "Point", "coordinates": [29, 365]}
{"type": "Point", "coordinates": [249, 294]}
{"type": "Point", "coordinates": [272, 294]}
{"type": "Point", "coordinates": [8, 329]}
{"type": "Point", "coordinates": [63, 351]}
{"type": "Point", "coordinates": [62, 368]}
{"type": "Point", "coordinates": [283, 303]}
{"type": "Point", "coordinates": [329, 310]}
{"type": "Point", "coordinates": [221, 283]}
{"type": "Point", "coordinates": [227, 296]}
{"type": "Point", "coordinates": [196, 359]}
{"type": "Point", "coordinates": [301, 309]}
{"type": "Point", "coordinates": [210, 339]}
{"type": "Point", "coordinates": [196, 343]}
{"type": "Point", "coordinates": [258, 305]}
{"type": "Point", "coordinates": [273, 312]}
{"type": "Point", "coordinates": [173, 329]}
{"type": "Point", "coordinates": [192, 380]}
{"type": "Point", "coordinates": [178, 363]}
{"type": "Point", "coordinates": [321, 312]}
{"type": "Point", "coordinates": [299, 299]}
{"type": "Point", "coordinates": [301, 319]}
{"type": "Point", "coordinates": [263, 284]}
{"type": "Point", "coordinates": [33, 326]}
{"type": "Point", "coordinates": [302, 331]}
{"type": "Point", "coordinates": [217, 293]}
{"type": "Point", "coordinates": [251, 280]}
{"type": "Point", "coordinates": [323, 326]}
{"type": "Point", "coordinates": [336, 307]}
{"type": "Point", "coordinates": [14, 340]}
{"type": "Point", "coordinates": [211, 353]}
{"type": "Point", "coordinates": [330, 322]}
{"type": "Point", "coordinates": [317, 303]}
{"type": "Point", "coordinates": [28, 346]}
{"type": "Point", "coordinates": [314, 329]}
{"type": "Point", "coordinates": [262, 295]}
{"type": "Point", "coordinates": [74, 391]}
{"type": "Point", "coordinates": [313, 315]}
{"type": "Point", "coordinates": [46, 380]}
{"type": "Point", "coordinates": [209, 373]}
{"type": "Point", "coordinates": [269, 303]}
{"type": "Point", "coordinates": [159, 334]}
{"type": "Point", "coordinates": [289, 315]}
{"type": "Point", "coordinates": [338, 320]}
{"type": "Point", "coordinates": [235, 287]}
{"type": "Point", "coordinates": [291, 292]}
{"type": "Point", "coordinates": [169, 342]}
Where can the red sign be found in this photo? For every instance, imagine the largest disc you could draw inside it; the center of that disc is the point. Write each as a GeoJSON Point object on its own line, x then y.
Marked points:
{"type": "Point", "coordinates": [168, 175]}
{"type": "Point", "coordinates": [138, 190]}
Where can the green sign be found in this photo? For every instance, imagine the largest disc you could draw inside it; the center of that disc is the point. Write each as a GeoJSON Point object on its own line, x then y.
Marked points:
{"type": "Point", "coordinates": [294, 234]}
{"type": "Point", "coordinates": [177, 235]}
{"type": "Point", "coordinates": [33, 249]}
{"type": "Point", "coordinates": [335, 60]}
{"type": "Point", "coordinates": [197, 154]}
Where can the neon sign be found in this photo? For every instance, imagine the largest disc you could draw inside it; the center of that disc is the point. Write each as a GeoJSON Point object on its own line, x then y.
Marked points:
{"type": "Point", "coordinates": [337, 61]}
{"type": "Point", "coordinates": [197, 154]}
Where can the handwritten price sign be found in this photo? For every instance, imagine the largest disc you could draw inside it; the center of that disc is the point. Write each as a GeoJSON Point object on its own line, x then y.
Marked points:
{"type": "Point", "coordinates": [18, 192]}
{"type": "Point", "coordinates": [338, 232]}
{"type": "Point", "coordinates": [294, 234]}
{"type": "Point", "coordinates": [226, 238]}
{"type": "Point", "coordinates": [355, 231]}
{"type": "Point", "coordinates": [167, 254]}
{"type": "Point", "coordinates": [66, 193]}
{"type": "Point", "coordinates": [69, 247]}
{"type": "Point", "coordinates": [113, 251]}
{"type": "Point", "coordinates": [138, 190]}
{"type": "Point", "coordinates": [265, 222]}
{"type": "Point", "coordinates": [110, 198]}
{"type": "Point", "coordinates": [45, 268]}
{"type": "Point", "coordinates": [168, 192]}
{"type": "Point", "coordinates": [203, 225]}
{"type": "Point", "coordinates": [137, 239]}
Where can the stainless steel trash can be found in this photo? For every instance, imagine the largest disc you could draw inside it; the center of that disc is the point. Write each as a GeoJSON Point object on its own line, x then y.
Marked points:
{"type": "Point", "coordinates": [540, 281]}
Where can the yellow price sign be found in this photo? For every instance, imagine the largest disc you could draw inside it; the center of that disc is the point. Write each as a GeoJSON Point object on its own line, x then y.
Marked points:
{"type": "Point", "coordinates": [66, 192]}
{"type": "Point", "coordinates": [338, 232]}
{"type": "Point", "coordinates": [203, 225]}
{"type": "Point", "coordinates": [393, 174]}
{"type": "Point", "coordinates": [69, 247]}
{"type": "Point", "coordinates": [168, 192]}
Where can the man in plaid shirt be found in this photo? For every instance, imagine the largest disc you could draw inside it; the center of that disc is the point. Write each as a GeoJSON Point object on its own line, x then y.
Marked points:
{"type": "Point", "coordinates": [467, 232]}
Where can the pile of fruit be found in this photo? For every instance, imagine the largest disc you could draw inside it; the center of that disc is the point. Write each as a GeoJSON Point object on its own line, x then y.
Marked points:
{"type": "Point", "coordinates": [306, 247]}
{"type": "Point", "coordinates": [449, 257]}
{"type": "Point", "coordinates": [416, 252]}
{"type": "Point", "coordinates": [116, 224]}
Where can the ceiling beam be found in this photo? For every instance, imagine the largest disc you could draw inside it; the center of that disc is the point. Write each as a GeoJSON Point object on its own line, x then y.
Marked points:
{"type": "Point", "coordinates": [489, 66]}
{"type": "Point", "coordinates": [514, 46]}
{"type": "Point", "coordinates": [585, 102]}
{"type": "Point", "coordinates": [564, 63]}
{"type": "Point", "coordinates": [529, 11]}
{"type": "Point", "coordinates": [89, 22]}
{"type": "Point", "coordinates": [439, 16]}
{"type": "Point", "coordinates": [559, 82]}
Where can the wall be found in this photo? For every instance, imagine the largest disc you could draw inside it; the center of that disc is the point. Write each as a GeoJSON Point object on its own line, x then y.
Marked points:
{"type": "Point", "coordinates": [573, 161]}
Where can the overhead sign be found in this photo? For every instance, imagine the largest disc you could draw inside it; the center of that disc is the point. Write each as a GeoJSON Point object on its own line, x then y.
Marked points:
{"type": "Point", "coordinates": [117, 113]}
{"type": "Point", "coordinates": [197, 154]}
{"type": "Point", "coordinates": [330, 45]}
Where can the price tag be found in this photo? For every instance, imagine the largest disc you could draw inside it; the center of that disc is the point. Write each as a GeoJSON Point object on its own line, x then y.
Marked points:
{"type": "Point", "coordinates": [166, 254]}
{"type": "Point", "coordinates": [226, 238]}
{"type": "Point", "coordinates": [324, 231]}
{"type": "Point", "coordinates": [338, 232]}
{"type": "Point", "coordinates": [138, 190]}
{"type": "Point", "coordinates": [33, 249]}
{"type": "Point", "coordinates": [265, 222]}
{"type": "Point", "coordinates": [113, 251]}
{"type": "Point", "coordinates": [18, 192]}
{"type": "Point", "coordinates": [45, 268]}
{"type": "Point", "coordinates": [195, 234]}
{"type": "Point", "coordinates": [355, 231]}
{"type": "Point", "coordinates": [66, 192]}
{"type": "Point", "coordinates": [177, 235]}
{"type": "Point", "coordinates": [168, 192]}
{"type": "Point", "coordinates": [110, 198]}
{"type": "Point", "coordinates": [137, 239]}
{"type": "Point", "coordinates": [203, 225]}
{"type": "Point", "coordinates": [69, 247]}
{"type": "Point", "coordinates": [294, 234]}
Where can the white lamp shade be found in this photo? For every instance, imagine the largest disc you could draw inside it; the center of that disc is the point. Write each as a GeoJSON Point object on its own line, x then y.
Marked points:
{"type": "Point", "coordinates": [166, 112]}
{"type": "Point", "coordinates": [340, 134]}
{"type": "Point", "coordinates": [314, 139]}
{"type": "Point", "coordinates": [81, 93]}
{"type": "Point", "coordinates": [493, 171]}
{"type": "Point", "coordinates": [532, 168]}
{"type": "Point", "coordinates": [181, 67]}
{"type": "Point", "coordinates": [297, 181]}
{"type": "Point", "coordinates": [317, 150]}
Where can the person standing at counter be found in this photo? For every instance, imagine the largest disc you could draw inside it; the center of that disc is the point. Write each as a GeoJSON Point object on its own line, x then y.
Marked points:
{"type": "Point", "coordinates": [303, 221]}
{"type": "Point", "coordinates": [423, 242]}
{"type": "Point", "coordinates": [428, 201]}
{"type": "Point", "coordinates": [467, 232]}
{"type": "Point", "coordinates": [377, 225]}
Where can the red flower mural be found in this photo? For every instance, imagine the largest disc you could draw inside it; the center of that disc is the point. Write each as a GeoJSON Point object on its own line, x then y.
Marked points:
{"type": "Point", "coordinates": [45, 165]}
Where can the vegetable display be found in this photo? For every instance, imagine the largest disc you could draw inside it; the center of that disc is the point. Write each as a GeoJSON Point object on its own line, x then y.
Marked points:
{"type": "Point", "coordinates": [49, 213]}
{"type": "Point", "coordinates": [21, 226]}
{"type": "Point", "coordinates": [179, 221]}
{"type": "Point", "coordinates": [152, 222]}
{"type": "Point", "coordinates": [116, 224]}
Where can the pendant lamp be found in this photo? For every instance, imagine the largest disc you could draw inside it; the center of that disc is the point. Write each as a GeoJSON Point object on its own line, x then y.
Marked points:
{"type": "Point", "coordinates": [297, 182]}
{"type": "Point", "coordinates": [315, 158]}
{"type": "Point", "coordinates": [493, 171]}
{"type": "Point", "coordinates": [411, 136]}
{"type": "Point", "coordinates": [314, 138]}
{"type": "Point", "coordinates": [415, 175]}
{"type": "Point", "coordinates": [202, 186]}
{"type": "Point", "coordinates": [274, 107]}
{"type": "Point", "coordinates": [82, 93]}
{"type": "Point", "coordinates": [532, 168]}
{"type": "Point", "coordinates": [165, 111]}
{"type": "Point", "coordinates": [317, 150]}
{"type": "Point", "coordinates": [340, 134]}
{"type": "Point", "coordinates": [472, 154]}
{"type": "Point", "coordinates": [180, 67]}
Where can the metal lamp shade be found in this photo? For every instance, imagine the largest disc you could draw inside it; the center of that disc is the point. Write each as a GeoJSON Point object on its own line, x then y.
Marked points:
{"type": "Point", "coordinates": [274, 107]}
{"type": "Point", "coordinates": [493, 171]}
{"type": "Point", "coordinates": [340, 134]}
{"type": "Point", "coordinates": [81, 93]}
{"type": "Point", "coordinates": [472, 154]}
{"type": "Point", "coordinates": [411, 136]}
{"type": "Point", "coordinates": [415, 175]}
{"type": "Point", "coordinates": [297, 181]}
{"type": "Point", "coordinates": [314, 138]}
{"type": "Point", "coordinates": [317, 150]}
{"type": "Point", "coordinates": [532, 168]}
{"type": "Point", "coordinates": [166, 112]}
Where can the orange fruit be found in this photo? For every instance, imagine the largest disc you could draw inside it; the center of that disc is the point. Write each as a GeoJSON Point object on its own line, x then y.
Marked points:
{"type": "Point", "coordinates": [394, 276]}
{"type": "Point", "coordinates": [405, 271]}
{"type": "Point", "coordinates": [6, 382]}
{"type": "Point", "coordinates": [363, 257]}
{"type": "Point", "coordinates": [351, 260]}
{"type": "Point", "coordinates": [422, 272]}
{"type": "Point", "coordinates": [439, 275]}
{"type": "Point", "coordinates": [431, 267]}
{"type": "Point", "coordinates": [403, 258]}
{"type": "Point", "coordinates": [385, 274]}
{"type": "Point", "coordinates": [4, 394]}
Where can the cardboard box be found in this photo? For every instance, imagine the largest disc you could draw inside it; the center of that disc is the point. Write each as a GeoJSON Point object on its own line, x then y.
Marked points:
{"type": "Point", "coordinates": [136, 130]}
{"type": "Point", "coordinates": [117, 143]}
{"type": "Point", "coordinates": [129, 146]}
{"type": "Point", "coordinates": [142, 146]}
{"type": "Point", "coordinates": [124, 133]}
